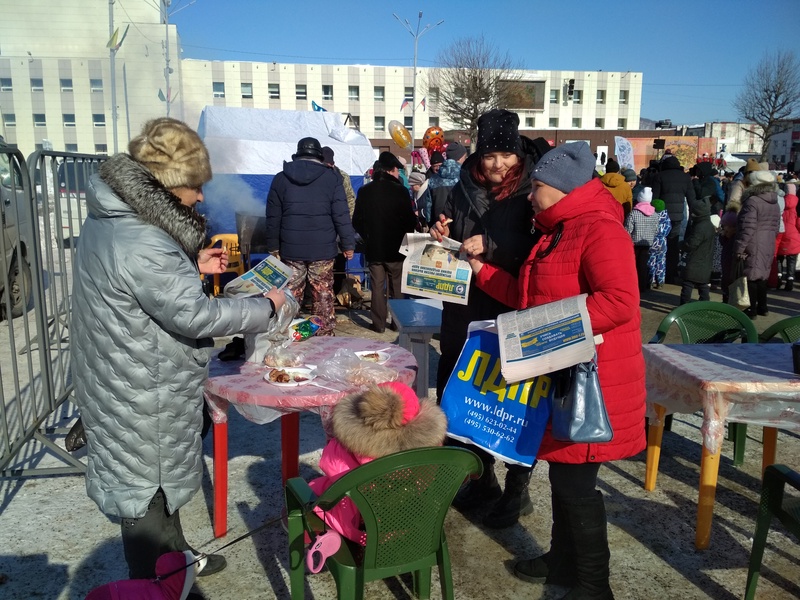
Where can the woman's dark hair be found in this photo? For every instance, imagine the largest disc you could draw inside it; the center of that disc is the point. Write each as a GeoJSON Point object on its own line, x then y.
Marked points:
{"type": "Point", "coordinates": [505, 188]}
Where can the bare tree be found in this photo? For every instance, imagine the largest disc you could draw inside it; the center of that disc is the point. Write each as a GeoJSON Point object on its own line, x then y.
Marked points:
{"type": "Point", "coordinates": [771, 94]}
{"type": "Point", "coordinates": [472, 77]}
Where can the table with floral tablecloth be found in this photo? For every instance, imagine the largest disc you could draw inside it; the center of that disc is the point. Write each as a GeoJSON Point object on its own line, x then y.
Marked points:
{"type": "Point", "coordinates": [241, 384]}
{"type": "Point", "coordinates": [744, 383]}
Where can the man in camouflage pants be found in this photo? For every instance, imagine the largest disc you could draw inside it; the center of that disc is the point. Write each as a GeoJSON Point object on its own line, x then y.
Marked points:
{"type": "Point", "coordinates": [308, 220]}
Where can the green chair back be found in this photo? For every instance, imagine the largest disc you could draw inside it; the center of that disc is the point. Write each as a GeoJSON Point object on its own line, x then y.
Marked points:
{"type": "Point", "coordinates": [708, 322]}
{"type": "Point", "coordinates": [403, 499]}
{"type": "Point", "coordinates": [773, 504]}
{"type": "Point", "coordinates": [787, 329]}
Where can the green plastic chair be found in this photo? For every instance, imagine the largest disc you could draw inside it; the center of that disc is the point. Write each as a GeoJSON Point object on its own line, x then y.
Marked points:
{"type": "Point", "coordinates": [773, 504]}
{"type": "Point", "coordinates": [787, 329]}
{"type": "Point", "coordinates": [708, 322]}
{"type": "Point", "coordinates": [403, 499]}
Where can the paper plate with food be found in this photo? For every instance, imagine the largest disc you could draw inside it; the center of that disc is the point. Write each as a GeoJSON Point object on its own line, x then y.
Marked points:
{"type": "Point", "coordinates": [289, 377]}
{"type": "Point", "coordinates": [376, 356]}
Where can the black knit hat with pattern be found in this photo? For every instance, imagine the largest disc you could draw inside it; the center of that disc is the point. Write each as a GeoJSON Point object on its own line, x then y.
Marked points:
{"type": "Point", "coordinates": [498, 131]}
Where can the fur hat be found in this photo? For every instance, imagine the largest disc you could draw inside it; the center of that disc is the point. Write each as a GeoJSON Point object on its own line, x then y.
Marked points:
{"type": "Point", "coordinates": [387, 418]}
{"type": "Point", "coordinates": [612, 166]}
{"type": "Point", "coordinates": [455, 151]}
{"type": "Point", "coordinates": [498, 131]}
{"type": "Point", "coordinates": [757, 177]}
{"type": "Point", "coordinates": [309, 147]}
{"type": "Point", "coordinates": [646, 195]}
{"type": "Point", "coordinates": [752, 165]}
{"type": "Point", "coordinates": [566, 167]}
{"type": "Point", "coordinates": [173, 152]}
{"type": "Point", "coordinates": [416, 178]}
{"type": "Point", "coordinates": [629, 174]}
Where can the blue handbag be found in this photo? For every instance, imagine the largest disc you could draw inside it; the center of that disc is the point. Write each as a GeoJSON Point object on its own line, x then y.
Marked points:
{"type": "Point", "coordinates": [578, 410]}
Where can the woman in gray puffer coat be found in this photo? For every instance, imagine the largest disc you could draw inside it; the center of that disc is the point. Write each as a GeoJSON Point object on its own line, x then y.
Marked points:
{"type": "Point", "coordinates": [141, 329]}
{"type": "Point", "coordinates": [756, 230]}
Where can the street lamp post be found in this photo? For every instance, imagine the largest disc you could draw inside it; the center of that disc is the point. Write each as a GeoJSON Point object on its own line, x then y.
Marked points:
{"type": "Point", "coordinates": [416, 35]}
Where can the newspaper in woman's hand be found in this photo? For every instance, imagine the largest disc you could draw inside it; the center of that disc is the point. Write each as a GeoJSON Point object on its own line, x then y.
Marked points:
{"type": "Point", "coordinates": [269, 273]}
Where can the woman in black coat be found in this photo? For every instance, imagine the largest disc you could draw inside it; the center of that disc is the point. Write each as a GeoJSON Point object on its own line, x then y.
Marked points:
{"type": "Point", "coordinates": [491, 215]}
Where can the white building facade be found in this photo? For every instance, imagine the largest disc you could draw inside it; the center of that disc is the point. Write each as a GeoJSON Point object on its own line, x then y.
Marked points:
{"type": "Point", "coordinates": [57, 89]}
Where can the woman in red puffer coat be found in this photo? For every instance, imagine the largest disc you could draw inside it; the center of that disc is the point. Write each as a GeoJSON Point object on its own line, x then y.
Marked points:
{"type": "Point", "coordinates": [582, 248]}
{"type": "Point", "coordinates": [789, 246]}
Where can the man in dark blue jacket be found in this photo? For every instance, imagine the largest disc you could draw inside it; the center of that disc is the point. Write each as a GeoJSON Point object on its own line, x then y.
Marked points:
{"type": "Point", "coordinates": [308, 221]}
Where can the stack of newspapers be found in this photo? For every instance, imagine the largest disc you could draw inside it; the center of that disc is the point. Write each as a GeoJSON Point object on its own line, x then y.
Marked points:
{"type": "Point", "coordinates": [545, 338]}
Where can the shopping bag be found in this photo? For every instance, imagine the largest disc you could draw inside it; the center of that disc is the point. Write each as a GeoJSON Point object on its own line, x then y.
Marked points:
{"type": "Point", "coordinates": [738, 295]}
{"type": "Point", "coordinates": [579, 411]}
{"type": "Point", "coordinates": [506, 420]}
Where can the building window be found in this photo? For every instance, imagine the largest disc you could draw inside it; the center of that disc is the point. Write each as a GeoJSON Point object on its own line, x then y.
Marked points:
{"type": "Point", "coordinates": [327, 92]}
{"type": "Point", "coordinates": [379, 93]}
{"type": "Point", "coordinates": [71, 147]}
{"type": "Point", "coordinates": [622, 123]}
{"type": "Point", "coordinates": [380, 123]}
{"type": "Point", "coordinates": [408, 122]}
{"type": "Point", "coordinates": [37, 84]}
{"type": "Point", "coordinates": [409, 93]}
{"type": "Point", "coordinates": [96, 85]}
{"type": "Point", "coordinates": [623, 96]}
{"type": "Point", "coordinates": [433, 122]}
{"type": "Point", "coordinates": [529, 122]}
{"type": "Point", "coordinates": [601, 96]}
{"type": "Point", "coordinates": [218, 89]}
{"type": "Point", "coordinates": [66, 85]}
{"type": "Point", "coordinates": [576, 122]}
{"type": "Point", "coordinates": [553, 96]}
{"type": "Point", "coordinates": [553, 122]}
{"type": "Point", "coordinates": [300, 92]}
{"type": "Point", "coordinates": [10, 119]}
{"type": "Point", "coordinates": [101, 148]}
{"type": "Point", "coordinates": [600, 123]}
{"type": "Point", "coordinates": [352, 93]}
{"type": "Point", "coordinates": [69, 120]}
{"type": "Point", "coordinates": [247, 90]}
{"type": "Point", "coordinates": [99, 120]}
{"type": "Point", "coordinates": [5, 84]}
{"type": "Point", "coordinates": [433, 95]}
{"type": "Point", "coordinates": [39, 120]}
{"type": "Point", "coordinates": [577, 96]}
{"type": "Point", "coordinates": [274, 90]}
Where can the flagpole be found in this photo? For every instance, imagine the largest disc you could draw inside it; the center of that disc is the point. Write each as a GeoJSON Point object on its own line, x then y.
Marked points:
{"type": "Point", "coordinates": [112, 56]}
{"type": "Point", "coordinates": [416, 35]}
{"type": "Point", "coordinates": [166, 51]}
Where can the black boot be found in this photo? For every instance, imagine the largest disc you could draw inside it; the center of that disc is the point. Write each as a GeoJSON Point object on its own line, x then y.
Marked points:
{"type": "Point", "coordinates": [789, 284]}
{"type": "Point", "coordinates": [479, 492]}
{"type": "Point", "coordinates": [514, 502]}
{"type": "Point", "coordinates": [587, 521]}
{"type": "Point", "coordinates": [557, 566]}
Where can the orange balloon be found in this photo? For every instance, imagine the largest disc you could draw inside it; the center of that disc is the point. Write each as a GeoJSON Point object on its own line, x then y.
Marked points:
{"type": "Point", "coordinates": [400, 135]}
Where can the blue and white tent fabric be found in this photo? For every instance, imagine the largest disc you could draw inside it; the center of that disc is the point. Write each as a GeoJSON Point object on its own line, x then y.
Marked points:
{"type": "Point", "coordinates": [248, 147]}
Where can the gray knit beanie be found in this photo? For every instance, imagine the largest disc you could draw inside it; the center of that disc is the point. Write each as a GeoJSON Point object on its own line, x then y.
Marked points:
{"type": "Point", "coordinates": [566, 167]}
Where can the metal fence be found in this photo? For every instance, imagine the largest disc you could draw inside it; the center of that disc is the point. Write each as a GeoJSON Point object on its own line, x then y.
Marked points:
{"type": "Point", "coordinates": [42, 208]}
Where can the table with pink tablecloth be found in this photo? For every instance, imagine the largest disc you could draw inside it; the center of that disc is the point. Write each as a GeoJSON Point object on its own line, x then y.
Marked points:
{"type": "Point", "coordinates": [242, 385]}
{"type": "Point", "coordinates": [744, 383]}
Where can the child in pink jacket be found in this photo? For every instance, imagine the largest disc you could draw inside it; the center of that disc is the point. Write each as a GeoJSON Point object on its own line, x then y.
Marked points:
{"type": "Point", "coordinates": [379, 421]}
{"type": "Point", "coordinates": [789, 246]}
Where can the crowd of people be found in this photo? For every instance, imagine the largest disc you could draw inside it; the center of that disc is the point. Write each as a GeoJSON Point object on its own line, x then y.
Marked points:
{"type": "Point", "coordinates": [536, 223]}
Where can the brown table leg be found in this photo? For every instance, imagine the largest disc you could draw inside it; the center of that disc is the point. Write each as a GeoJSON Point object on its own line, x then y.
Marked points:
{"type": "Point", "coordinates": [709, 471]}
{"type": "Point", "coordinates": [654, 436]}
{"type": "Point", "coordinates": [770, 449]}
{"type": "Point", "coordinates": [220, 433]}
{"type": "Point", "coordinates": [290, 446]}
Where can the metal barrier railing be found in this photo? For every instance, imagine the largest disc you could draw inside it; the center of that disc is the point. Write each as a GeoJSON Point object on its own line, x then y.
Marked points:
{"type": "Point", "coordinates": [43, 208]}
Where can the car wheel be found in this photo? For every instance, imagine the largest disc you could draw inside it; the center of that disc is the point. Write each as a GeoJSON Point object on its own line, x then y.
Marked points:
{"type": "Point", "coordinates": [19, 282]}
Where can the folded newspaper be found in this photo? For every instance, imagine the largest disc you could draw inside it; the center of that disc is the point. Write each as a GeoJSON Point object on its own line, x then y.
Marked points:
{"type": "Point", "coordinates": [269, 273]}
{"type": "Point", "coordinates": [434, 269]}
{"type": "Point", "coordinates": [545, 338]}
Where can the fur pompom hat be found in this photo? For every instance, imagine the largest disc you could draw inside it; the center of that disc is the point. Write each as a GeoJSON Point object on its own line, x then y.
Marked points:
{"type": "Point", "coordinates": [758, 177]}
{"type": "Point", "coordinates": [173, 152]}
{"type": "Point", "coordinates": [387, 418]}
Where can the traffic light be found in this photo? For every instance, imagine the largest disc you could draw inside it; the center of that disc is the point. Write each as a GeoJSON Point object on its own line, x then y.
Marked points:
{"type": "Point", "coordinates": [570, 88]}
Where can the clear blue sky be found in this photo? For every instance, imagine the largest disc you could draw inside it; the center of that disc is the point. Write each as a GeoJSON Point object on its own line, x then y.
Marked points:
{"type": "Point", "coordinates": [693, 53]}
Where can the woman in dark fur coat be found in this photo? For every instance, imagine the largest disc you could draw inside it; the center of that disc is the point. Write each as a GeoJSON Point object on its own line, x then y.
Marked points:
{"type": "Point", "coordinates": [379, 421]}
